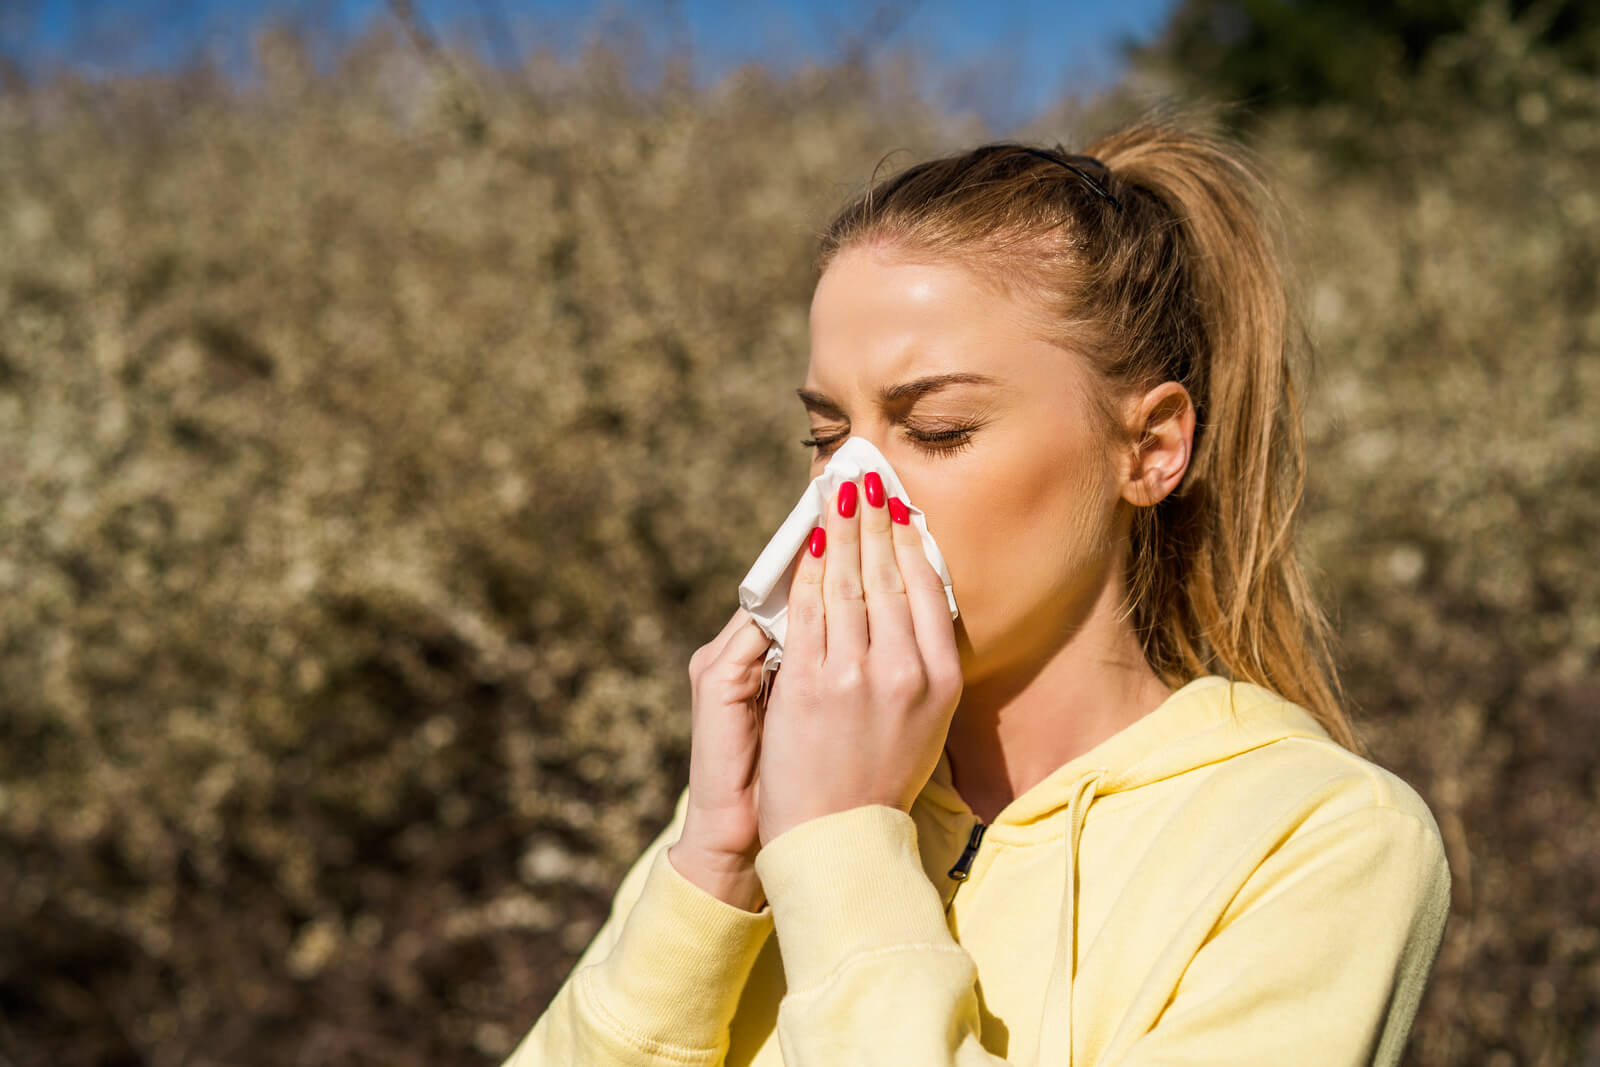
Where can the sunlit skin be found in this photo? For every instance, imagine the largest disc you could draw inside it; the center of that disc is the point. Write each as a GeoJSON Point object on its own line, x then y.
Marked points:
{"type": "Point", "coordinates": [1029, 502]}
{"type": "Point", "coordinates": [989, 425]}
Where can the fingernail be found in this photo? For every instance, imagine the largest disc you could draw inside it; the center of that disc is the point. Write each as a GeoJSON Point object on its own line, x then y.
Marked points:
{"type": "Point", "coordinates": [847, 499]}
{"type": "Point", "coordinates": [898, 511]}
{"type": "Point", "coordinates": [819, 541]}
{"type": "Point", "coordinates": [872, 485]}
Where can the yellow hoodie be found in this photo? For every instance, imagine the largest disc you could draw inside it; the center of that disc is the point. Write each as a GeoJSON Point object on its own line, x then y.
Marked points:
{"type": "Point", "coordinates": [1217, 883]}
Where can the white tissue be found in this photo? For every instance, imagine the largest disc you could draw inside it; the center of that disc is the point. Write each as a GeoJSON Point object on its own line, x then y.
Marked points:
{"type": "Point", "coordinates": [764, 593]}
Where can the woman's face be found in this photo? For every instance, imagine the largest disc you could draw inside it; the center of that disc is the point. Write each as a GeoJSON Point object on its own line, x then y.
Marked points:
{"type": "Point", "coordinates": [990, 429]}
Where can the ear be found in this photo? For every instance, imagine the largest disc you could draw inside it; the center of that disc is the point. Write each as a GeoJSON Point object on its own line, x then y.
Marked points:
{"type": "Point", "coordinates": [1161, 425]}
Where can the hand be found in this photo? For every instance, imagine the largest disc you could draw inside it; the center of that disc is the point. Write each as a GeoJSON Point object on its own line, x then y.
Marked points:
{"type": "Point", "coordinates": [871, 674]}
{"type": "Point", "coordinates": [718, 846]}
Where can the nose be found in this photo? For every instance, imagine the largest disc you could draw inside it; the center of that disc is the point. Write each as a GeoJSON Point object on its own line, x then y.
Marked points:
{"type": "Point", "coordinates": [908, 474]}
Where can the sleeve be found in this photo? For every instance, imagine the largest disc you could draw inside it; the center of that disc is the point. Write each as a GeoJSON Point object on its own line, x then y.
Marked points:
{"type": "Point", "coordinates": [659, 983]}
{"type": "Point", "coordinates": [1322, 957]}
{"type": "Point", "coordinates": [873, 974]}
{"type": "Point", "coordinates": [1320, 960]}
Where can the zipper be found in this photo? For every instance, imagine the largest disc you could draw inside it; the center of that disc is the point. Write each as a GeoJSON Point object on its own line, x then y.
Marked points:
{"type": "Point", "coordinates": [963, 865]}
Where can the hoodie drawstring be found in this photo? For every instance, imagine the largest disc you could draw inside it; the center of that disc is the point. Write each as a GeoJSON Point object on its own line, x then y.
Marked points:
{"type": "Point", "coordinates": [1055, 1028]}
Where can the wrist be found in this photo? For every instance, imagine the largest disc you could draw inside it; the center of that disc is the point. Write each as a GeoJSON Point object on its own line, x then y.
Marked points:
{"type": "Point", "coordinates": [730, 879]}
{"type": "Point", "coordinates": [779, 823]}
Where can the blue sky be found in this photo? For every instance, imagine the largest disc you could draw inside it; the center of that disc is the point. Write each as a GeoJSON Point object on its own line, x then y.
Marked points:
{"type": "Point", "coordinates": [1006, 59]}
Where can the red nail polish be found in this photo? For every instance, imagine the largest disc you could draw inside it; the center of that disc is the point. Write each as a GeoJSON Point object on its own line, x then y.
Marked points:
{"type": "Point", "coordinates": [819, 541]}
{"type": "Point", "coordinates": [898, 511]}
{"type": "Point", "coordinates": [872, 485]}
{"type": "Point", "coordinates": [847, 499]}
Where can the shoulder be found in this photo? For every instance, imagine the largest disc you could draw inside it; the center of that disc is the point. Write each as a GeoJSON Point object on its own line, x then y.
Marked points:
{"type": "Point", "coordinates": [1317, 777]}
{"type": "Point", "coordinates": [1299, 764]}
{"type": "Point", "coordinates": [1344, 781]}
{"type": "Point", "coordinates": [1305, 819]}
{"type": "Point", "coordinates": [1287, 781]}
{"type": "Point", "coordinates": [1348, 812]}
{"type": "Point", "coordinates": [1351, 835]}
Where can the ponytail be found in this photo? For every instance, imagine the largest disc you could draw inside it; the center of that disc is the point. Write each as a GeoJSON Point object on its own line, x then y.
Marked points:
{"type": "Point", "coordinates": [1157, 253]}
{"type": "Point", "coordinates": [1214, 581]}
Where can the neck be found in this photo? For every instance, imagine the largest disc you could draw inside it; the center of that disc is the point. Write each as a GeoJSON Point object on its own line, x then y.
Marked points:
{"type": "Point", "coordinates": [1017, 725]}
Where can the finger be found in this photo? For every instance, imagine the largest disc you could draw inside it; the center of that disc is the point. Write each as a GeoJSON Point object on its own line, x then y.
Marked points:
{"type": "Point", "coordinates": [888, 610]}
{"type": "Point", "coordinates": [734, 626]}
{"type": "Point", "coordinates": [733, 672]}
{"type": "Point", "coordinates": [804, 642]}
{"type": "Point", "coordinates": [844, 606]}
{"type": "Point", "coordinates": [930, 611]}
{"type": "Point", "coordinates": [745, 645]}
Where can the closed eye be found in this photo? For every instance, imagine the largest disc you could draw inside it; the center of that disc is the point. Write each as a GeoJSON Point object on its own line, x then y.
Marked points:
{"type": "Point", "coordinates": [941, 442]}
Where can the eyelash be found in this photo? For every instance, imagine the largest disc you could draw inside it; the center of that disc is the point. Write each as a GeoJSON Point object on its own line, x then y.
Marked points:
{"type": "Point", "coordinates": [937, 443]}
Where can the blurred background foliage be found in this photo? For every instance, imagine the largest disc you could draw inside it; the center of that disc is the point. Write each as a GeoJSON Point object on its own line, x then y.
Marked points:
{"type": "Point", "coordinates": [377, 440]}
{"type": "Point", "coordinates": [1278, 55]}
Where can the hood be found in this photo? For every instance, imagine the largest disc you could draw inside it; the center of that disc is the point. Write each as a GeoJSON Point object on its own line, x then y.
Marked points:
{"type": "Point", "coordinates": [1206, 721]}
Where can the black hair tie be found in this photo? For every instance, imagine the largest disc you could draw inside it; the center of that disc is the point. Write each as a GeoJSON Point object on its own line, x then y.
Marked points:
{"type": "Point", "coordinates": [1085, 167]}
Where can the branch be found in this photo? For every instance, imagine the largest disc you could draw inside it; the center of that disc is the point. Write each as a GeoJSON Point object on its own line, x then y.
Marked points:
{"type": "Point", "coordinates": [461, 98]}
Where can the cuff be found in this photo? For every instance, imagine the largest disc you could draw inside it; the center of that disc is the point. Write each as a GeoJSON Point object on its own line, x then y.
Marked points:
{"type": "Point", "coordinates": [845, 884]}
{"type": "Point", "coordinates": [681, 962]}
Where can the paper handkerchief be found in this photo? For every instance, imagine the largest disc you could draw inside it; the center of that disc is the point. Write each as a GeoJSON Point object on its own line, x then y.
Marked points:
{"type": "Point", "coordinates": [764, 593]}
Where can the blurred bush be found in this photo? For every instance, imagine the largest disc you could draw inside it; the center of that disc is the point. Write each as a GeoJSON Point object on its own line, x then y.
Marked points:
{"type": "Point", "coordinates": [1279, 55]}
{"type": "Point", "coordinates": [376, 444]}
{"type": "Point", "coordinates": [1452, 286]}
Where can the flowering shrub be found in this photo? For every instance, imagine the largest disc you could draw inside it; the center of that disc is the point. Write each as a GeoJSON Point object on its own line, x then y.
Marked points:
{"type": "Point", "coordinates": [375, 446]}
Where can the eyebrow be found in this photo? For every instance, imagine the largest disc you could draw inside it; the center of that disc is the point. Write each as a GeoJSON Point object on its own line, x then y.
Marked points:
{"type": "Point", "coordinates": [890, 395]}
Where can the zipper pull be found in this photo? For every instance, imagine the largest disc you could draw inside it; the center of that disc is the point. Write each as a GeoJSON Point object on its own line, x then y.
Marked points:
{"type": "Point", "coordinates": [964, 865]}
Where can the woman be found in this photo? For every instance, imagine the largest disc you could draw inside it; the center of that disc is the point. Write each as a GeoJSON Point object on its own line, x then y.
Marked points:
{"type": "Point", "coordinates": [1113, 814]}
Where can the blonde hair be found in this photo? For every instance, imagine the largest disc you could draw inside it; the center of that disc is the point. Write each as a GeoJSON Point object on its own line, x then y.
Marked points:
{"type": "Point", "coordinates": [1156, 255]}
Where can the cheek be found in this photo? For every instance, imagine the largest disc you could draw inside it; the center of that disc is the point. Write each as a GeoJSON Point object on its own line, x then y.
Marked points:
{"type": "Point", "coordinates": [1014, 532]}
{"type": "Point", "coordinates": [976, 512]}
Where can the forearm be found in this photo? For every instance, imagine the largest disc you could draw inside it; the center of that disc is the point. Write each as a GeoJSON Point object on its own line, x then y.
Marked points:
{"type": "Point", "coordinates": [874, 975]}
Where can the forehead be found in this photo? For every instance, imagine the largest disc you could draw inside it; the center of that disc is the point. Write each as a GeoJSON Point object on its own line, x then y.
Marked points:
{"type": "Point", "coordinates": [878, 318]}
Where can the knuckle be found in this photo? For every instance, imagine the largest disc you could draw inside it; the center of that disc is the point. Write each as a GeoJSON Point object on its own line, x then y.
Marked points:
{"type": "Point", "coordinates": [906, 680]}
{"type": "Point", "coordinates": [806, 687]}
{"type": "Point", "coordinates": [884, 578]}
{"type": "Point", "coordinates": [843, 587]}
{"type": "Point", "coordinates": [724, 675]}
{"type": "Point", "coordinates": [794, 682]}
{"type": "Point", "coordinates": [700, 661]}
{"type": "Point", "coordinates": [945, 681]}
{"type": "Point", "coordinates": [846, 676]}
{"type": "Point", "coordinates": [807, 613]}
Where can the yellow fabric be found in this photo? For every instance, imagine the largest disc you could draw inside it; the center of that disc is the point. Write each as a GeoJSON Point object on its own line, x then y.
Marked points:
{"type": "Point", "coordinates": [1219, 883]}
